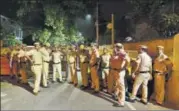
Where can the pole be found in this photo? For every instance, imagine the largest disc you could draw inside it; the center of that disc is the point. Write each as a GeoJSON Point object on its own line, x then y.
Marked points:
{"type": "Point", "coordinates": [112, 36]}
{"type": "Point", "coordinates": [97, 26]}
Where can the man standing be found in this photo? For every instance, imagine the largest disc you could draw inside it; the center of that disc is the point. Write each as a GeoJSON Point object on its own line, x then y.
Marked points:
{"type": "Point", "coordinates": [84, 62]}
{"type": "Point", "coordinates": [142, 74]}
{"type": "Point", "coordinates": [94, 64]}
{"type": "Point", "coordinates": [105, 58]}
{"type": "Point", "coordinates": [14, 61]}
{"type": "Point", "coordinates": [22, 60]}
{"type": "Point", "coordinates": [73, 66]}
{"type": "Point", "coordinates": [45, 66]}
{"type": "Point", "coordinates": [119, 62]}
{"type": "Point", "coordinates": [57, 67]}
{"type": "Point", "coordinates": [36, 65]}
{"type": "Point", "coordinates": [162, 67]}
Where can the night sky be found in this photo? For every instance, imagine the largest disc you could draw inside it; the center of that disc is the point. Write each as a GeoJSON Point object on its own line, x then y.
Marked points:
{"type": "Point", "coordinates": [118, 7]}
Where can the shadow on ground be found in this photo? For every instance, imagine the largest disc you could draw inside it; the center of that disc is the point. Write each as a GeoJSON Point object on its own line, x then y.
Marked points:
{"type": "Point", "coordinates": [14, 81]}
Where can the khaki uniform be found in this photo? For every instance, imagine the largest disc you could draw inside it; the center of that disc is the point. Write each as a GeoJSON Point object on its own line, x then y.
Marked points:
{"type": "Point", "coordinates": [57, 66]}
{"type": "Point", "coordinates": [117, 76]}
{"type": "Point", "coordinates": [45, 65]}
{"type": "Point", "coordinates": [105, 59]}
{"type": "Point", "coordinates": [23, 66]}
{"type": "Point", "coordinates": [14, 62]}
{"type": "Point", "coordinates": [72, 65]}
{"type": "Point", "coordinates": [36, 67]}
{"type": "Point", "coordinates": [143, 77]}
{"type": "Point", "coordinates": [84, 63]}
{"type": "Point", "coordinates": [94, 70]}
{"type": "Point", "coordinates": [161, 64]}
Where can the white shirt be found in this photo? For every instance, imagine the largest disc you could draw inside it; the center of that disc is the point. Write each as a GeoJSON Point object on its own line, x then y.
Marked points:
{"type": "Point", "coordinates": [144, 61]}
{"type": "Point", "coordinates": [56, 57]}
{"type": "Point", "coordinates": [36, 56]}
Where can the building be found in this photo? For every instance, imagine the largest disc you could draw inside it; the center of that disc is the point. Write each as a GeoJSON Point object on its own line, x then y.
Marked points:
{"type": "Point", "coordinates": [11, 27]}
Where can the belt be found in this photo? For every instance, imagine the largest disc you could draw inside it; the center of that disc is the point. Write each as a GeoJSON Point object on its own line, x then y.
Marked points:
{"type": "Point", "coordinates": [105, 67]}
{"type": "Point", "coordinates": [37, 64]}
{"type": "Point", "coordinates": [144, 71]}
{"type": "Point", "coordinates": [23, 62]}
{"type": "Point", "coordinates": [157, 72]}
{"type": "Point", "coordinates": [94, 65]}
{"type": "Point", "coordinates": [57, 63]}
{"type": "Point", "coordinates": [85, 62]}
{"type": "Point", "coordinates": [46, 61]}
{"type": "Point", "coordinates": [116, 69]}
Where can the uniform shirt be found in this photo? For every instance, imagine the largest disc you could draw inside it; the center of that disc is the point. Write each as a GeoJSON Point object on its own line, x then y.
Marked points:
{"type": "Point", "coordinates": [72, 57]}
{"type": "Point", "coordinates": [36, 56]}
{"type": "Point", "coordinates": [116, 60]}
{"type": "Point", "coordinates": [45, 54]}
{"type": "Point", "coordinates": [144, 61]}
{"type": "Point", "coordinates": [94, 56]}
{"type": "Point", "coordinates": [161, 63]}
{"type": "Point", "coordinates": [14, 54]}
{"type": "Point", "coordinates": [56, 57]}
{"type": "Point", "coordinates": [83, 57]}
{"type": "Point", "coordinates": [105, 60]}
{"type": "Point", "coordinates": [21, 55]}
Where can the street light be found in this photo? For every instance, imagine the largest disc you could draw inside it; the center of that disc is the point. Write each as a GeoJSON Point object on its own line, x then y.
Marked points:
{"type": "Point", "coordinates": [88, 17]}
{"type": "Point", "coordinates": [80, 34]}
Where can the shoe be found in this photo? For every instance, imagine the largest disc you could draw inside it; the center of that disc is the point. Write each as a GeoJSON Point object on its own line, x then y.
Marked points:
{"type": "Point", "coordinates": [45, 86]}
{"type": "Point", "coordinates": [76, 85]}
{"type": "Point", "coordinates": [145, 103]}
{"type": "Point", "coordinates": [158, 104]}
{"type": "Point", "coordinates": [96, 92]}
{"type": "Point", "coordinates": [53, 81]}
{"type": "Point", "coordinates": [82, 86]}
{"type": "Point", "coordinates": [26, 84]}
{"type": "Point", "coordinates": [131, 100]}
{"type": "Point", "coordinates": [35, 93]}
{"type": "Point", "coordinates": [114, 96]}
{"type": "Point", "coordinates": [70, 82]}
{"type": "Point", "coordinates": [61, 81]}
{"type": "Point", "coordinates": [118, 105]}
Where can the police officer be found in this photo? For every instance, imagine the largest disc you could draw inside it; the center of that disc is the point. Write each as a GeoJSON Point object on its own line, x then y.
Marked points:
{"type": "Point", "coordinates": [57, 66]}
{"type": "Point", "coordinates": [36, 61]}
{"type": "Point", "coordinates": [46, 60]}
{"type": "Point", "coordinates": [162, 67]}
{"type": "Point", "coordinates": [118, 70]}
{"type": "Point", "coordinates": [84, 62]}
{"type": "Point", "coordinates": [72, 65]}
{"type": "Point", "coordinates": [94, 65]}
{"type": "Point", "coordinates": [142, 74]}
{"type": "Point", "coordinates": [22, 60]}
{"type": "Point", "coordinates": [14, 61]}
{"type": "Point", "coordinates": [105, 59]}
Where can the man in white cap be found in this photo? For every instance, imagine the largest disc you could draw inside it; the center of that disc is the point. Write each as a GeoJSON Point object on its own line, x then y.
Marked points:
{"type": "Point", "coordinates": [36, 65]}
{"type": "Point", "coordinates": [142, 74]}
{"type": "Point", "coordinates": [45, 66]}
{"type": "Point", "coordinates": [162, 67]}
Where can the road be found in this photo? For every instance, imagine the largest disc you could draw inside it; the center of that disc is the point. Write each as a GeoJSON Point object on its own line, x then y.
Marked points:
{"type": "Point", "coordinates": [62, 96]}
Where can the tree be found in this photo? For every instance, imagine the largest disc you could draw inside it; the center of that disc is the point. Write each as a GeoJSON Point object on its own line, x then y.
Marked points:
{"type": "Point", "coordinates": [59, 17]}
{"type": "Point", "coordinates": [158, 14]}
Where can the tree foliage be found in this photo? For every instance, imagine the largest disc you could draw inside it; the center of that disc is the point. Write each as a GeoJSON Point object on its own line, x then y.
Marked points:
{"type": "Point", "coordinates": [161, 14]}
{"type": "Point", "coordinates": [59, 19]}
